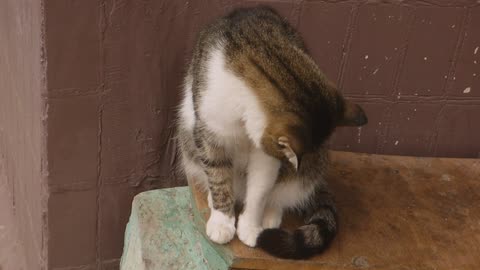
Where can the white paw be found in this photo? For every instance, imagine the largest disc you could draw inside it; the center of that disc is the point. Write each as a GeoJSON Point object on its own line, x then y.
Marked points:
{"type": "Point", "coordinates": [272, 218]}
{"type": "Point", "coordinates": [220, 227]}
{"type": "Point", "coordinates": [248, 232]}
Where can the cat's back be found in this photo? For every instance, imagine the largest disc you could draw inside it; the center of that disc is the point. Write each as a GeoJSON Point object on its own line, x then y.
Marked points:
{"type": "Point", "coordinates": [246, 31]}
{"type": "Point", "coordinates": [247, 23]}
{"type": "Point", "coordinates": [258, 28]}
{"type": "Point", "coordinates": [246, 65]}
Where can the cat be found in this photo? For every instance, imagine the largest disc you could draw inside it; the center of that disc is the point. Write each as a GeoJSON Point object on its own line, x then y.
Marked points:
{"type": "Point", "coordinates": [252, 126]}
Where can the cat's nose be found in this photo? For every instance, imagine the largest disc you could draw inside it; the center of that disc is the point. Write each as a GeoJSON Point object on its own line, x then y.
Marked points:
{"type": "Point", "coordinates": [361, 117]}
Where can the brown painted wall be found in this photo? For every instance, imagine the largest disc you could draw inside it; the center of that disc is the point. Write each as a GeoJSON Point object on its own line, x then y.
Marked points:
{"type": "Point", "coordinates": [416, 69]}
{"type": "Point", "coordinates": [113, 74]}
{"type": "Point", "coordinates": [21, 122]}
{"type": "Point", "coordinates": [115, 69]}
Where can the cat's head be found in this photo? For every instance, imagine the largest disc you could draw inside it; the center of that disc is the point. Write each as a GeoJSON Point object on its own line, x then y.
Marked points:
{"type": "Point", "coordinates": [291, 136]}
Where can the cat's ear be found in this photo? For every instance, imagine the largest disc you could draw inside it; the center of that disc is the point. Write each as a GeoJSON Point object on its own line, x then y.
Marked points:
{"type": "Point", "coordinates": [287, 150]}
{"type": "Point", "coordinates": [352, 115]}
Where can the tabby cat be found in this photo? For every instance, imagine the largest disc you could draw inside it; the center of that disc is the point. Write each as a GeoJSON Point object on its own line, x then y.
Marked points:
{"type": "Point", "coordinates": [252, 127]}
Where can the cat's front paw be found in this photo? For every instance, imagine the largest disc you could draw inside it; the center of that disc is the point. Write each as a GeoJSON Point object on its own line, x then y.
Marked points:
{"type": "Point", "coordinates": [248, 232]}
{"type": "Point", "coordinates": [220, 227]}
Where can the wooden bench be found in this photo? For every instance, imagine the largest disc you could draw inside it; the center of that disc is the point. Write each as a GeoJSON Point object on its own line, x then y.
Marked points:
{"type": "Point", "coordinates": [395, 213]}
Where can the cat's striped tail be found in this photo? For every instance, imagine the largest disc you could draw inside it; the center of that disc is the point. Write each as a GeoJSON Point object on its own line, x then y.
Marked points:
{"type": "Point", "coordinates": [306, 241]}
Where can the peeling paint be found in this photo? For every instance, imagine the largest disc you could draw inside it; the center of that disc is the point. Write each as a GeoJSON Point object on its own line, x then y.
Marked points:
{"type": "Point", "coordinates": [396, 142]}
{"type": "Point", "coordinates": [366, 56]}
{"type": "Point", "coordinates": [446, 177]}
{"type": "Point", "coordinates": [476, 50]}
{"type": "Point", "coordinates": [467, 90]}
{"type": "Point", "coordinates": [359, 134]}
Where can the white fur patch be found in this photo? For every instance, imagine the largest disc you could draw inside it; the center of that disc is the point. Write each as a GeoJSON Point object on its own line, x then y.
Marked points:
{"type": "Point", "coordinates": [187, 113]}
{"type": "Point", "coordinates": [228, 106]}
{"type": "Point", "coordinates": [209, 200]}
{"type": "Point", "coordinates": [220, 227]}
{"type": "Point", "coordinates": [262, 175]}
{"type": "Point", "coordinates": [272, 218]}
{"type": "Point", "coordinates": [291, 194]}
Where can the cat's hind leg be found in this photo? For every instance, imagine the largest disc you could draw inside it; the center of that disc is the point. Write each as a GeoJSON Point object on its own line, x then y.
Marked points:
{"type": "Point", "coordinates": [320, 223]}
{"type": "Point", "coordinates": [272, 217]}
{"type": "Point", "coordinates": [290, 194]}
